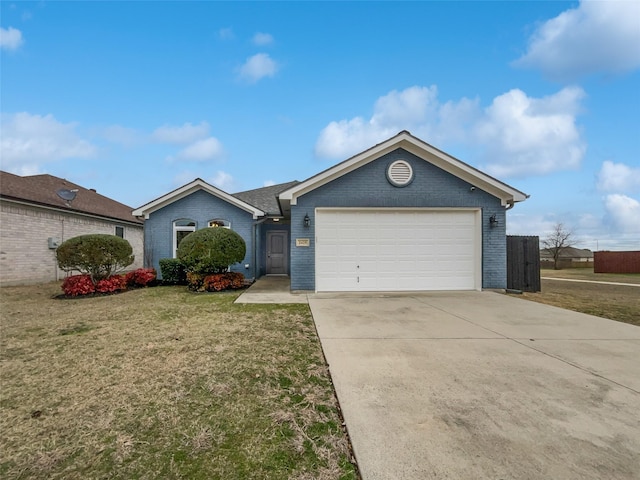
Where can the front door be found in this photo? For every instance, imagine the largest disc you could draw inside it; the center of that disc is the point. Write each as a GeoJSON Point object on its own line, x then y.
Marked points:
{"type": "Point", "coordinates": [277, 252]}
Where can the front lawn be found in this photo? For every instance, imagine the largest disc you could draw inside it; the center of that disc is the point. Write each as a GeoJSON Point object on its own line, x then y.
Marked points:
{"type": "Point", "coordinates": [616, 302]}
{"type": "Point", "coordinates": [164, 383]}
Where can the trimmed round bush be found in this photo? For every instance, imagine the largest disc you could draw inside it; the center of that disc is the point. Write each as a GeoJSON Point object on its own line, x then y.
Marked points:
{"type": "Point", "coordinates": [211, 250]}
{"type": "Point", "coordinates": [97, 255]}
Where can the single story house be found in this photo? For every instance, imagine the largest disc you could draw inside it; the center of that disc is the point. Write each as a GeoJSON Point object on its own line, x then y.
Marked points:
{"type": "Point", "coordinates": [569, 257]}
{"type": "Point", "coordinates": [399, 216]}
{"type": "Point", "coordinates": [38, 212]}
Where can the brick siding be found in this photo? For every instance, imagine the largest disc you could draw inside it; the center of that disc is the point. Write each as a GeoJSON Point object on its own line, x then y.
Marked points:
{"type": "Point", "coordinates": [368, 187]}
{"type": "Point", "coordinates": [25, 256]}
{"type": "Point", "coordinates": [201, 207]}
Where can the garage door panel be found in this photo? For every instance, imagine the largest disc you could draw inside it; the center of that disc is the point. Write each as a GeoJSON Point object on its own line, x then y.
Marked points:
{"type": "Point", "coordinates": [396, 250]}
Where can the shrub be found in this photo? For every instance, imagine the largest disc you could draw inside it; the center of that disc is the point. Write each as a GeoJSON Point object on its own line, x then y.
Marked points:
{"type": "Point", "coordinates": [211, 250]}
{"type": "Point", "coordinates": [114, 283]}
{"type": "Point", "coordinates": [97, 255]}
{"type": "Point", "coordinates": [141, 277]}
{"type": "Point", "coordinates": [173, 271]}
{"type": "Point", "coordinates": [216, 282]}
{"type": "Point", "coordinates": [78, 285]}
{"type": "Point", "coordinates": [195, 281]}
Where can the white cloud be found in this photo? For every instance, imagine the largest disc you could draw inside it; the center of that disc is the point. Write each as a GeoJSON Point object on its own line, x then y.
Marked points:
{"type": "Point", "coordinates": [416, 109]}
{"type": "Point", "coordinates": [226, 34]}
{"type": "Point", "coordinates": [257, 67]}
{"type": "Point", "coordinates": [618, 177]}
{"type": "Point", "coordinates": [10, 38]}
{"type": "Point", "coordinates": [527, 224]}
{"type": "Point", "coordinates": [223, 181]}
{"type": "Point", "coordinates": [121, 135]}
{"type": "Point", "coordinates": [516, 135]}
{"type": "Point", "coordinates": [184, 177]}
{"type": "Point", "coordinates": [595, 37]}
{"type": "Point", "coordinates": [186, 133]}
{"type": "Point", "coordinates": [201, 151]}
{"type": "Point", "coordinates": [527, 136]}
{"type": "Point", "coordinates": [261, 39]}
{"type": "Point", "coordinates": [268, 183]}
{"type": "Point", "coordinates": [31, 140]}
{"type": "Point", "coordinates": [623, 213]}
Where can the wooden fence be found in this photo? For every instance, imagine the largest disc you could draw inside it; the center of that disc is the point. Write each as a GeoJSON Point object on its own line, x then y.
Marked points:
{"type": "Point", "coordinates": [523, 263]}
{"type": "Point", "coordinates": [616, 262]}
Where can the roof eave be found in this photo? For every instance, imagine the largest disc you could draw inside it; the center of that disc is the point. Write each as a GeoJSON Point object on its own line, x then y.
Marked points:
{"type": "Point", "coordinates": [198, 184]}
{"type": "Point", "coordinates": [507, 194]}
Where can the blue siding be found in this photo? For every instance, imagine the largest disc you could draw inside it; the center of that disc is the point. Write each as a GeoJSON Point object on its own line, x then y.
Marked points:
{"type": "Point", "coordinates": [201, 207]}
{"type": "Point", "coordinates": [262, 246]}
{"type": "Point", "coordinates": [368, 187]}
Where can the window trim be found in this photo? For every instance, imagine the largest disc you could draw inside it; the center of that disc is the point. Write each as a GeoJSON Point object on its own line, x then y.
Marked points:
{"type": "Point", "coordinates": [181, 228]}
{"type": "Point", "coordinates": [226, 223]}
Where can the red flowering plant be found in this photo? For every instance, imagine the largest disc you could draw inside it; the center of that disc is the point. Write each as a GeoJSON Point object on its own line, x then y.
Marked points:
{"type": "Point", "coordinates": [78, 285]}
{"type": "Point", "coordinates": [114, 283]}
{"type": "Point", "coordinates": [141, 277]}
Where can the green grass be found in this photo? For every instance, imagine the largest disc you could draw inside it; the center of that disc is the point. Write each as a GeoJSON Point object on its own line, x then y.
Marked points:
{"type": "Point", "coordinates": [164, 383]}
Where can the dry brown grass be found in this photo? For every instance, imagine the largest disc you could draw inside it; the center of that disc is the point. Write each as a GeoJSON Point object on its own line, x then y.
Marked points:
{"type": "Point", "coordinates": [163, 383]}
{"type": "Point", "coordinates": [616, 302]}
{"type": "Point", "coordinates": [587, 274]}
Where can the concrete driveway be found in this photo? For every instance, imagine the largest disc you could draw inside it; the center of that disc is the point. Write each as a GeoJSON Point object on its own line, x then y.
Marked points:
{"type": "Point", "coordinates": [470, 385]}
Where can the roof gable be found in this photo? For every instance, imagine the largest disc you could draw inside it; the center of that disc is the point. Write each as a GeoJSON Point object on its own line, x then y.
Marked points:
{"type": "Point", "coordinates": [42, 190]}
{"type": "Point", "coordinates": [507, 194]}
{"type": "Point", "coordinates": [188, 189]}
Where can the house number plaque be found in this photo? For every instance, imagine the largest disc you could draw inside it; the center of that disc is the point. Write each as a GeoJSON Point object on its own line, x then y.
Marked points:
{"type": "Point", "coordinates": [302, 242]}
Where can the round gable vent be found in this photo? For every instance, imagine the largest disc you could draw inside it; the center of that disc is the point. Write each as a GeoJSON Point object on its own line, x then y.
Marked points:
{"type": "Point", "coordinates": [400, 173]}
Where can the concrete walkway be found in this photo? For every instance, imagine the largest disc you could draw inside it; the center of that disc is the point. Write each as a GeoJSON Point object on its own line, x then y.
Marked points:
{"type": "Point", "coordinates": [480, 385]}
{"type": "Point", "coordinates": [591, 281]}
{"type": "Point", "coordinates": [272, 289]}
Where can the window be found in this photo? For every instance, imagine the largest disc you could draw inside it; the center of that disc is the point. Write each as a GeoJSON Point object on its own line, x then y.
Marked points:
{"type": "Point", "coordinates": [181, 228]}
{"type": "Point", "coordinates": [219, 223]}
{"type": "Point", "coordinates": [120, 232]}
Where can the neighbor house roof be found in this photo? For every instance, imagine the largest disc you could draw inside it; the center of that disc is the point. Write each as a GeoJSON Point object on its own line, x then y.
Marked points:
{"type": "Point", "coordinates": [42, 190]}
{"type": "Point", "coordinates": [266, 198]}
{"type": "Point", "coordinates": [568, 252]}
{"type": "Point", "coordinates": [188, 189]}
{"type": "Point", "coordinates": [507, 194]}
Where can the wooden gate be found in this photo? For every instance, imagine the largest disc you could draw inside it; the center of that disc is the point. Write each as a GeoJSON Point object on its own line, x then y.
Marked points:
{"type": "Point", "coordinates": [523, 263]}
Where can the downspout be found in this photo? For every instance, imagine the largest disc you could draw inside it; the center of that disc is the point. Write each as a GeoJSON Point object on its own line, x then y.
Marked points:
{"type": "Point", "coordinates": [255, 246]}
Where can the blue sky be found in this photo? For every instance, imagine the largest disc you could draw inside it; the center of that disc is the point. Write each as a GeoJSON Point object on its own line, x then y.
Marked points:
{"type": "Point", "coordinates": [137, 98]}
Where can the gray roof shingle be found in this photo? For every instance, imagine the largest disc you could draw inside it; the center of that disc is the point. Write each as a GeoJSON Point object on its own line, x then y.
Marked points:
{"type": "Point", "coordinates": [265, 198]}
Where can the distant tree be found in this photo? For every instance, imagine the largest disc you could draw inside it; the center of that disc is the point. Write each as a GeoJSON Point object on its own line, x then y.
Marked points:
{"type": "Point", "coordinates": [560, 238]}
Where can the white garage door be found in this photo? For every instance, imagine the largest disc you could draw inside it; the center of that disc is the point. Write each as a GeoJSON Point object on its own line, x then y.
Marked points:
{"type": "Point", "coordinates": [397, 250]}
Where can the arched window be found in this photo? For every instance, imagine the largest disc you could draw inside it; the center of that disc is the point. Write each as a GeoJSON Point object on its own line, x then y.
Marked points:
{"type": "Point", "coordinates": [181, 228]}
{"type": "Point", "coordinates": [219, 223]}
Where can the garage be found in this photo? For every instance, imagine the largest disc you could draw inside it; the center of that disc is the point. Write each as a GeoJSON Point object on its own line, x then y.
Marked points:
{"type": "Point", "coordinates": [397, 249]}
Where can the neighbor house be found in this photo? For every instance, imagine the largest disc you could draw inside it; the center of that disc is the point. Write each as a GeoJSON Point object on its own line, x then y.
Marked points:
{"type": "Point", "coordinates": [568, 257]}
{"type": "Point", "coordinates": [399, 216]}
{"type": "Point", "coordinates": [39, 212]}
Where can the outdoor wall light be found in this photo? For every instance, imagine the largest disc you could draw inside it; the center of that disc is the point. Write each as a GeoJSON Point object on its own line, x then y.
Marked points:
{"type": "Point", "coordinates": [307, 220]}
{"type": "Point", "coordinates": [493, 221]}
